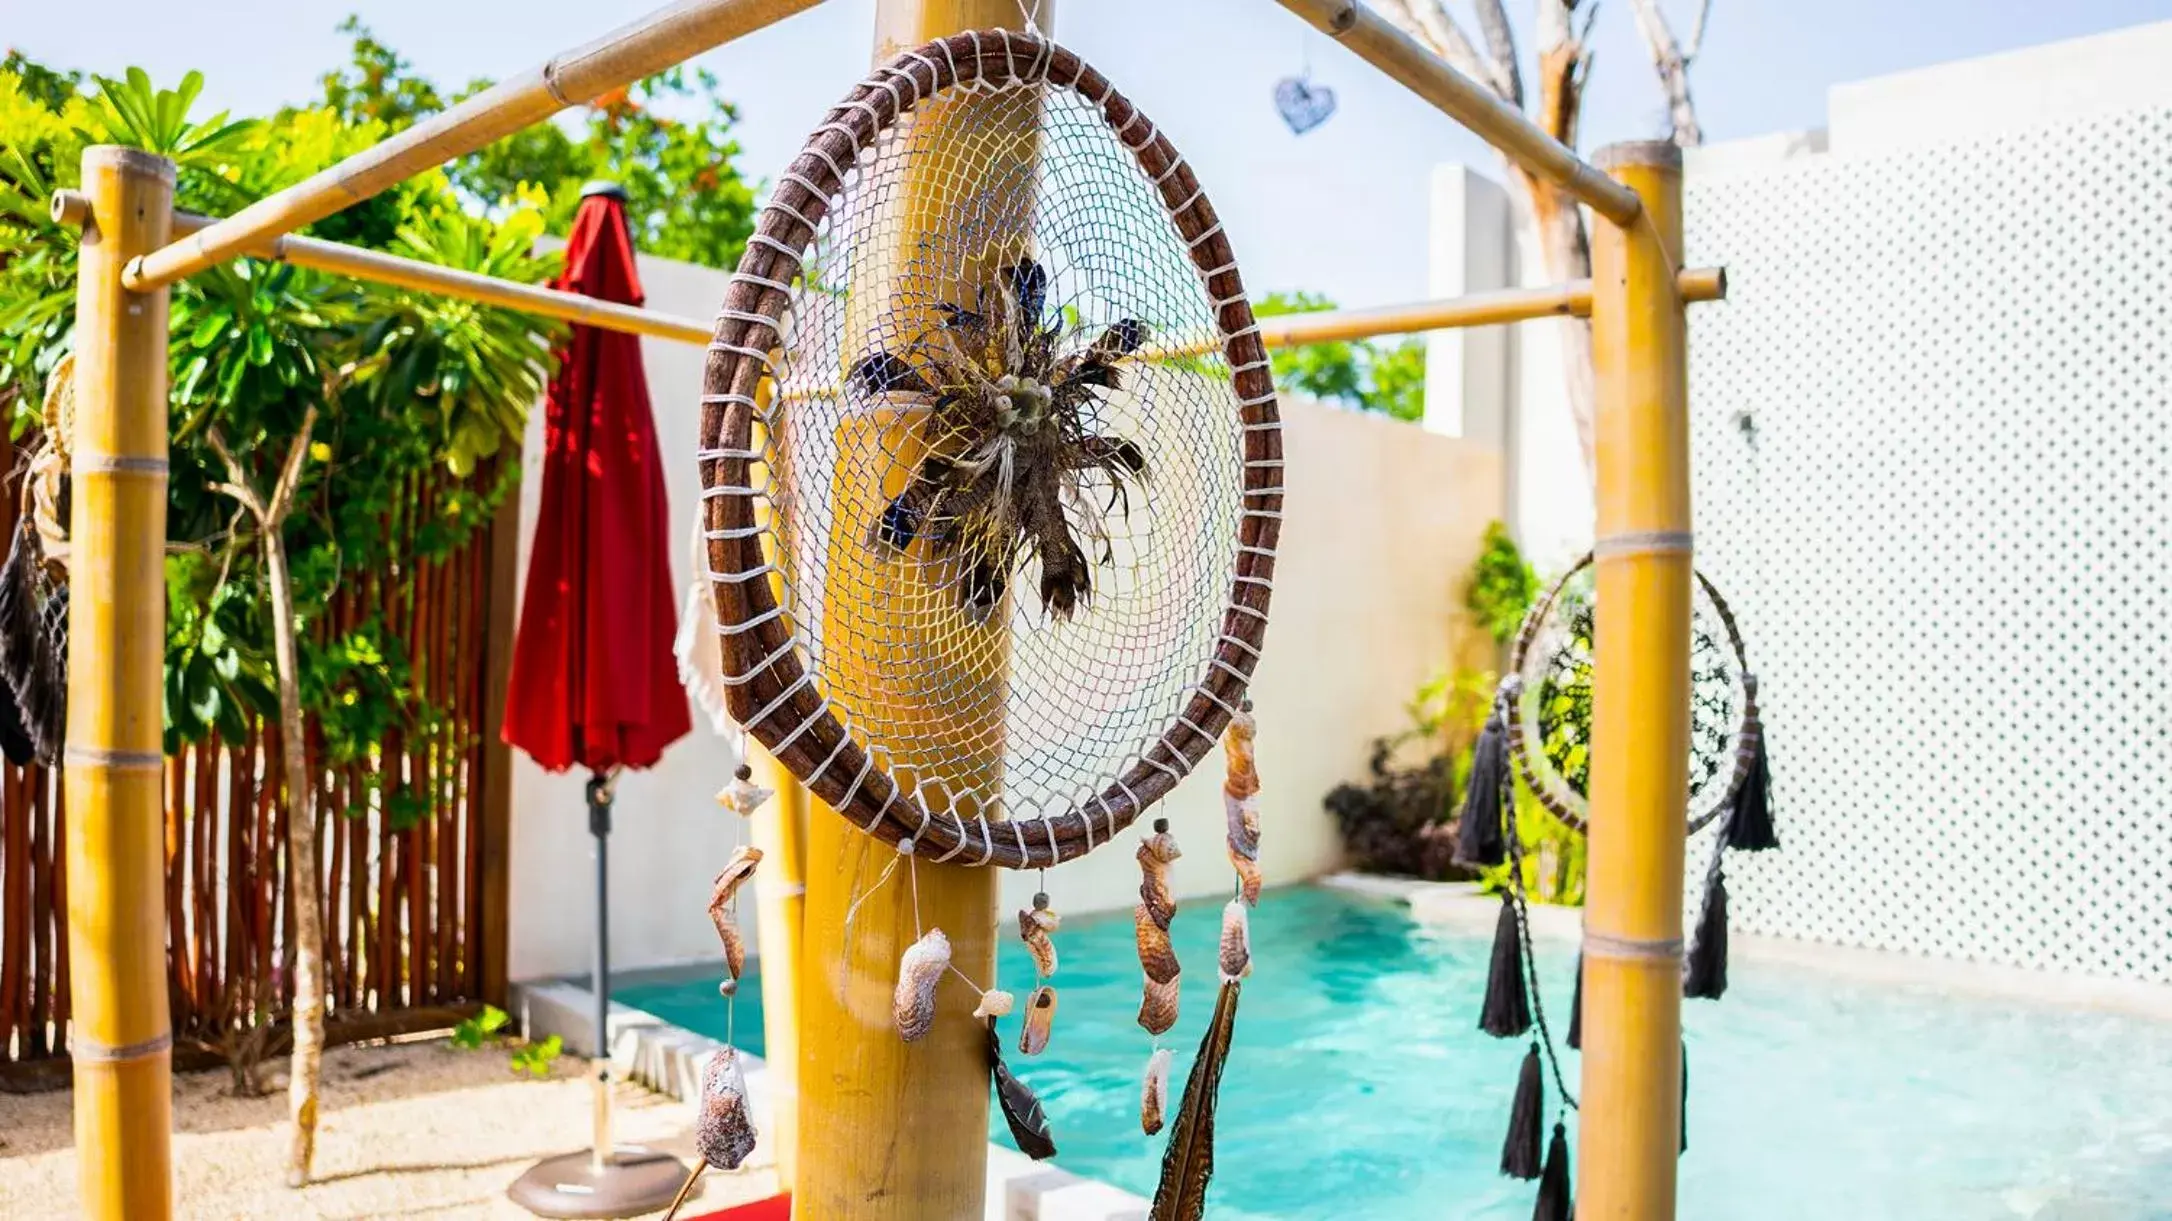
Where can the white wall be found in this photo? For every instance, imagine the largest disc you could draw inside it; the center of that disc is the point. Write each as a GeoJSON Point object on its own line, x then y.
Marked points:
{"type": "Point", "coordinates": [1382, 522]}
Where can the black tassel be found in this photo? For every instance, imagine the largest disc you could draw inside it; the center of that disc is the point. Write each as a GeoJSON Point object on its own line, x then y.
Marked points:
{"type": "Point", "coordinates": [1749, 824]}
{"type": "Point", "coordinates": [1526, 1118]}
{"type": "Point", "coordinates": [1553, 1194]}
{"type": "Point", "coordinates": [1478, 838]}
{"type": "Point", "coordinates": [1576, 1008]}
{"type": "Point", "coordinates": [1705, 977]}
{"type": "Point", "coordinates": [1507, 1012]}
{"type": "Point", "coordinates": [1685, 1099]}
{"type": "Point", "coordinates": [15, 740]}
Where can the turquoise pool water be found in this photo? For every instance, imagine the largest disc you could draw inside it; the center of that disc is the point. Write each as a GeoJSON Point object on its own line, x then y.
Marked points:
{"type": "Point", "coordinates": [1359, 1085]}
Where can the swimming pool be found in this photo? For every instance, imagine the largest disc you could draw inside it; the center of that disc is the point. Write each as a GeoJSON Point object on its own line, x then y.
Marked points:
{"type": "Point", "coordinates": [1359, 1085]}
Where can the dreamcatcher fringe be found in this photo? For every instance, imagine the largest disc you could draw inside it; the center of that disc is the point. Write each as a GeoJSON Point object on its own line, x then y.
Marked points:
{"type": "Point", "coordinates": [1704, 975]}
{"type": "Point", "coordinates": [1188, 1163]}
{"type": "Point", "coordinates": [1684, 1148]}
{"type": "Point", "coordinates": [1749, 824]}
{"type": "Point", "coordinates": [1020, 1105]}
{"type": "Point", "coordinates": [1526, 1120]}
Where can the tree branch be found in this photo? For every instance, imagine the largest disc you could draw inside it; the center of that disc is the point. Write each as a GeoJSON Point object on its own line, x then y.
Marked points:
{"type": "Point", "coordinates": [290, 472]}
{"type": "Point", "coordinates": [1429, 23]}
{"type": "Point", "coordinates": [1501, 43]}
{"type": "Point", "coordinates": [1673, 67]}
{"type": "Point", "coordinates": [1696, 33]}
{"type": "Point", "coordinates": [237, 476]}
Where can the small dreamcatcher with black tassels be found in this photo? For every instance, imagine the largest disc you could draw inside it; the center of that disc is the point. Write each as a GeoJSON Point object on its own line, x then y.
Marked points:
{"type": "Point", "coordinates": [34, 592]}
{"type": "Point", "coordinates": [1540, 730]}
{"type": "Point", "coordinates": [992, 481]}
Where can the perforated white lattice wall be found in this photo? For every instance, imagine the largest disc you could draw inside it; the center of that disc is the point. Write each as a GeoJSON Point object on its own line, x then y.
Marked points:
{"type": "Point", "coordinates": [1933, 448]}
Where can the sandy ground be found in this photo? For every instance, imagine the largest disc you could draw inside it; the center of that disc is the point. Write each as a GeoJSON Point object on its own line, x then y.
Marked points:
{"type": "Point", "coordinates": [408, 1130]}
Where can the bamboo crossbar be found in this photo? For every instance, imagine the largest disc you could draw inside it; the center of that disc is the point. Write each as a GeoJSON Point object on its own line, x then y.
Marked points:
{"type": "Point", "coordinates": [1376, 41]}
{"type": "Point", "coordinates": [658, 41]}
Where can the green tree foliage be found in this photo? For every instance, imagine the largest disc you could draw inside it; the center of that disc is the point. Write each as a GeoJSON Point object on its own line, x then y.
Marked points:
{"type": "Point", "coordinates": [685, 196]}
{"type": "Point", "coordinates": [1370, 376]}
{"type": "Point", "coordinates": [1502, 585]}
{"type": "Point", "coordinates": [407, 388]}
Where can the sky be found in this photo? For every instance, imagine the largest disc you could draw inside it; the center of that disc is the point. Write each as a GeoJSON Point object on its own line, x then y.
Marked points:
{"type": "Point", "coordinates": [1340, 210]}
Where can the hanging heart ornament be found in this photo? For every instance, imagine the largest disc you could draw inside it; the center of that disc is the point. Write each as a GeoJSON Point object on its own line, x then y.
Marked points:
{"type": "Point", "coordinates": [1303, 104]}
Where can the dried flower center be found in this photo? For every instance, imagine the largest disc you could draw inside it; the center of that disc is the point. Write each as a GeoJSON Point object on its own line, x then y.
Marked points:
{"type": "Point", "coordinates": [1021, 404]}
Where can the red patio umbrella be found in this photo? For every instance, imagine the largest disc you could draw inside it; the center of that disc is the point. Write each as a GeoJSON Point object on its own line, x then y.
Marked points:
{"type": "Point", "coordinates": [594, 682]}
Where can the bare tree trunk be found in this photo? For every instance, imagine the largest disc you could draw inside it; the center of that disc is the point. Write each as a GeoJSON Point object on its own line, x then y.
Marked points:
{"type": "Point", "coordinates": [1672, 59]}
{"type": "Point", "coordinates": [307, 926]}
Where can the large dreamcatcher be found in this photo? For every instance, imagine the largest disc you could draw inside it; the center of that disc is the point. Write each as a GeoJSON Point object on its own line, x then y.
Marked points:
{"type": "Point", "coordinates": [1540, 730]}
{"type": "Point", "coordinates": [992, 476]}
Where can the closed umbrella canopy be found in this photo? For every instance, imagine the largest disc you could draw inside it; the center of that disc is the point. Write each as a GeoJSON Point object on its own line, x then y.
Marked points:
{"type": "Point", "coordinates": [594, 682]}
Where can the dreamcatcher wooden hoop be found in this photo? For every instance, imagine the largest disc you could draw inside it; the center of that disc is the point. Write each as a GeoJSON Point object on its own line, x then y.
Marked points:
{"type": "Point", "coordinates": [771, 689]}
{"type": "Point", "coordinates": [1546, 782]}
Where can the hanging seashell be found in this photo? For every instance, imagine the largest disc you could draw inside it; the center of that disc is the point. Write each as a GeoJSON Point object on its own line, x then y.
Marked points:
{"type": "Point", "coordinates": [1155, 854]}
{"type": "Point", "coordinates": [994, 1003]}
{"type": "Point", "coordinates": [742, 796]}
{"type": "Point", "coordinates": [1156, 955]}
{"type": "Point", "coordinates": [1034, 926]}
{"type": "Point", "coordinates": [724, 1131]}
{"type": "Point", "coordinates": [1158, 1007]}
{"type": "Point", "coordinates": [1040, 1019]}
{"type": "Point", "coordinates": [1236, 941]}
{"type": "Point", "coordinates": [1154, 1093]}
{"type": "Point", "coordinates": [736, 872]}
{"type": "Point", "coordinates": [918, 971]}
{"type": "Point", "coordinates": [1240, 800]}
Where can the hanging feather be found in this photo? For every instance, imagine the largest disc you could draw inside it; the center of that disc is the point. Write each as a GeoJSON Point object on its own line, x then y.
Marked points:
{"type": "Point", "coordinates": [919, 970]}
{"type": "Point", "coordinates": [1020, 476]}
{"type": "Point", "coordinates": [1506, 1013]}
{"type": "Point", "coordinates": [724, 1130]}
{"type": "Point", "coordinates": [1576, 1007]}
{"type": "Point", "coordinates": [1526, 1119]}
{"type": "Point", "coordinates": [1704, 975]}
{"type": "Point", "coordinates": [1040, 1021]}
{"type": "Point", "coordinates": [1154, 1092]}
{"type": "Point", "coordinates": [1034, 926]}
{"type": "Point", "coordinates": [727, 884]}
{"type": "Point", "coordinates": [1478, 837]}
{"type": "Point", "coordinates": [1236, 956]}
{"type": "Point", "coordinates": [1554, 1203]}
{"type": "Point", "coordinates": [1188, 1163]}
{"type": "Point", "coordinates": [1021, 1107]}
{"type": "Point", "coordinates": [1749, 823]}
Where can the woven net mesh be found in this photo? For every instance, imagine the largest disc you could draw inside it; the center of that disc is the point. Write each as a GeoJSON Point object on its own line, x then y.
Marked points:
{"type": "Point", "coordinates": [1557, 673]}
{"type": "Point", "coordinates": [921, 512]}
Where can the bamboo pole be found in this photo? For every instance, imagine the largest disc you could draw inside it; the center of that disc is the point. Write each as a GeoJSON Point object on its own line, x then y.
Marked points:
{"type": "Point", "coordinates": [898, 1131]}
{"type": "Point", "coordinates": [660, 40]}
{"type": "Point", "coordinates": [122, 1037]}
{"type": "Point", "coordinates": [1492, 308]}
{"type": "Point", "coordinates": [1373, 39]}
{"type": "Point", "coordinates": [1640, 706]}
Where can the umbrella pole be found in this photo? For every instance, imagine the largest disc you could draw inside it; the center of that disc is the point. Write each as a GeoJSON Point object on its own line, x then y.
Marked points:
{"type": "Point", "coordinates": [599, 826]}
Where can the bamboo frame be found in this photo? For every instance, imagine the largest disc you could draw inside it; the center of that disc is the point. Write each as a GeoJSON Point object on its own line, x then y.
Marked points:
{"type": "Point", "coordinates": [1373, 39]}
{"type": "Point", "coordinates": [641, 48]}
{"type": "Point", "coordinates": [123, 1037]}
{"type": "Point", "coordinates": [1640, 705]}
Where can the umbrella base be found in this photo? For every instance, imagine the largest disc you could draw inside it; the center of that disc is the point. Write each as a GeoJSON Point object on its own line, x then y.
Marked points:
{"type": "Point", "coordinates": [638, 1180]}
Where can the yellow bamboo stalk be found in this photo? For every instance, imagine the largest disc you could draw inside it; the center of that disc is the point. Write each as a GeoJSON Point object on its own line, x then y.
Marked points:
{"type": "Point", "coordinates": [122, 1039]}
{"type": "Point", "coordinates": [898, 1131]}
{"type": "Point", "coordinates": [657, 41]}
{"type": "Point", "coordinates": [1376, 41]}
{"type": "Point", "coordinates": [1640, 705]}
